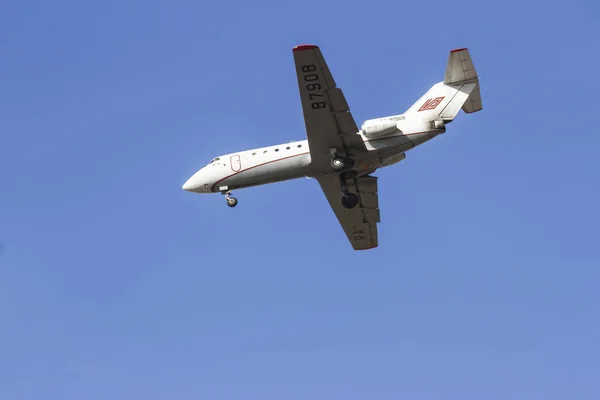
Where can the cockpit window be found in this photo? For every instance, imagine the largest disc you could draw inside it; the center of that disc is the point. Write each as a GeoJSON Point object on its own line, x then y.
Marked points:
{"type": "Point", "coordinates": [213, 160]}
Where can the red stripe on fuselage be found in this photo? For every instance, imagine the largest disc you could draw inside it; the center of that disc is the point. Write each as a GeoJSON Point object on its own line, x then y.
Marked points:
{"type": "Point", "coordinates": [258, 165]}
{"type": "Point", "coordinates": [301, 154]}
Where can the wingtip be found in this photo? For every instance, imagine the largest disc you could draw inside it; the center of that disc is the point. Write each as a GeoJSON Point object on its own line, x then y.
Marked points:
{"type": "Point", "coordinates": [367, 248]}
{"type": "Point", "coordinates": [456, 50]}
{"type": "Point", "coordinates": [302, 47]}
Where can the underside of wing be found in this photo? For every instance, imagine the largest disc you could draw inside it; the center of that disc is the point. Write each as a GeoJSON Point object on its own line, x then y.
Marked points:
{"type": "Point", "coordinates": [359, 223]}
{"type": "Point", "coordinates": [329, 123]}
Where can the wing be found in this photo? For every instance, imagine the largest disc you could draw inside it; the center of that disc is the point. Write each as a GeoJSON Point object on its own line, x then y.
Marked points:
{"type": "Point", "coordinates": [360, 222]}
{"type": "Point", "coordinates": [329, 123]}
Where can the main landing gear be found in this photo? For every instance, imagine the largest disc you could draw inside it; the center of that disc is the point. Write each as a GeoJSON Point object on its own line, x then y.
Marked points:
{"type": "Point", "coordinates": [343, 166]}
{"type": "Point", "coordinates": [231, 201]}
{"type": "Point", "coordinates": [349, 199]}
{"type": "Point", "coordinates": [338, 163]}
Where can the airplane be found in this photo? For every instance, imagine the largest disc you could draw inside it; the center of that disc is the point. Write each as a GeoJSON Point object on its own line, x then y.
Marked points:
{"type": "Point", "coordinates": [338, 155]}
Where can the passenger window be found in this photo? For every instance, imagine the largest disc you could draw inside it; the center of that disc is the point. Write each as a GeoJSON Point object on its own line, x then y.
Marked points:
{"type": "Point", "coordinates": [276, 149]}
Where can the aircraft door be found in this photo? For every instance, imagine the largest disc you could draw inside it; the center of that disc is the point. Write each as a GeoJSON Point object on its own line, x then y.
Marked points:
{"type": "Point", "coordinates": [236, 163]}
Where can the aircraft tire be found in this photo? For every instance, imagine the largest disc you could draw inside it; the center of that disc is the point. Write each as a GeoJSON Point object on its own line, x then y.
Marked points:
{"type": "Point", "coordinates": [337, 163]}
{"type": "Point", "coordinates": [350, 200]}
{"type": "Point", "coordinates": [232, 202]}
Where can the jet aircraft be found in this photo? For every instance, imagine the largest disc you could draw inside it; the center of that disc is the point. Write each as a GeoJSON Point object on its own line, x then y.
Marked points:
{"type": "Point", "coordinates": [341, 157]}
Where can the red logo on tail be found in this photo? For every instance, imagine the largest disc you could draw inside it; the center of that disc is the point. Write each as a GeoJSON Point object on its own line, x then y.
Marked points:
{"type": "Point", "coordinates": [431, 104]}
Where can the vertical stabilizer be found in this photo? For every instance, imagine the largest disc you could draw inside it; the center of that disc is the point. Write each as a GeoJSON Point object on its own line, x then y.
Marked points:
{"type": "Point", "coordinates": [460, 89]}
{"type": "Point", "coordinates": [460, 70]}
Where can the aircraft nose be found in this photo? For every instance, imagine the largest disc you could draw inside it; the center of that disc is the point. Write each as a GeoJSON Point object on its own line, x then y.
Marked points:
{"type": "Point", "coordinates": [188, 185]}
{"type": "Point", "coordinates": [195, 183]}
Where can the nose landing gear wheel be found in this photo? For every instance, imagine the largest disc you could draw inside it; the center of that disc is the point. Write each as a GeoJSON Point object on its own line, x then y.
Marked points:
{"type": "Point", "coordinates": [350, 200]}
{"type": "Point", "coordinates": [231, 201]}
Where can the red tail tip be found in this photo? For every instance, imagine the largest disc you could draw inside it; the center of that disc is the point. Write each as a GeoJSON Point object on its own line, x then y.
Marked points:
{"type": "Point", "coordinates": [303, 47]}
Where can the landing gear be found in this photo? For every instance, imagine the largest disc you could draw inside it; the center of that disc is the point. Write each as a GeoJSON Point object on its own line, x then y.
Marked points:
{"type": "Point", "coordinates": [349, 199]}
{"type": "Point", "coordinates": [337, 163]}
{"type": "Point", "coordinates": [231, 201]}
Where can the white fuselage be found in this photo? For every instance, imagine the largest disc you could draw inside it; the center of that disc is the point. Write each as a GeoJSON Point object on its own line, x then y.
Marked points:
{"type": "Point", "coordinates": [342, 157]}
{"type": "Point", "coordinates": [292, 160]}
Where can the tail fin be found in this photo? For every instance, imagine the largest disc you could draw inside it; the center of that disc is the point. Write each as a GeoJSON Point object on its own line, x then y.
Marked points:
{"type": "Point", "coordinates": [460, 89]}
{"type": "Point", "coordinates": [460, 70]}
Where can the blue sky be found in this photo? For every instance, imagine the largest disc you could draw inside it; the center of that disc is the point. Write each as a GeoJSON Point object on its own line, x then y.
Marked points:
{"type": "Point", "coordinates": [115, 283]}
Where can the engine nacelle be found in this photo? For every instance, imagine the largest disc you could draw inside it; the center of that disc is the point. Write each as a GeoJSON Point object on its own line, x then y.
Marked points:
{"type": "Point", "coordinates": [438, 124]}
{"type": "Point", "coordinates": [376, 129]}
